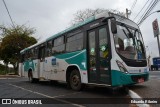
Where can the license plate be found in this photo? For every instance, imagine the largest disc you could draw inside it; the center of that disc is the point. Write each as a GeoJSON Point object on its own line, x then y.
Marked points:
{"type": "Point", "coordinates": [140, 80]}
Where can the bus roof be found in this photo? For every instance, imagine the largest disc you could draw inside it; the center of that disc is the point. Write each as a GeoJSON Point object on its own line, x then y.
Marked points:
{"type": "Point", "coordinates": [22, 51]}
{"type": "Point", "coordinates": [92, 18]}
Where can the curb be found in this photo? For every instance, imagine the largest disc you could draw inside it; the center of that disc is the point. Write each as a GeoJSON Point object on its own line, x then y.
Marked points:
{"type": "Point", "coordinates": [9, 76]}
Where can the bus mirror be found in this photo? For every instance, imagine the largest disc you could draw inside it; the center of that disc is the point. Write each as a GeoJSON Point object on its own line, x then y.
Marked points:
{"type": "Point", "coordinates": [113, 26]}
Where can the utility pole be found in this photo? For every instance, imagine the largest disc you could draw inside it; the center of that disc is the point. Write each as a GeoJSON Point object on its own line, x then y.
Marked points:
{"type": "Point", "coordinates": [126, 13]}
{"type": "Point", "coordinates": [158, 44]}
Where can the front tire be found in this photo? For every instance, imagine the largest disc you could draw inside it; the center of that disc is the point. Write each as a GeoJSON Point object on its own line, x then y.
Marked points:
{"type": "Point", "coordinates": [75, 80]}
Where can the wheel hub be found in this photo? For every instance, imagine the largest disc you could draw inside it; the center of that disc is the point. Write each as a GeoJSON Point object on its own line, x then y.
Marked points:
{"type": "Point", "coordinates": [75, 80]}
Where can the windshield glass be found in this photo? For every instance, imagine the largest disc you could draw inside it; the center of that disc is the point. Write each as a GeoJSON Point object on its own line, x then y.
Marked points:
{"type": "Point", "coordinates": [129, 42]}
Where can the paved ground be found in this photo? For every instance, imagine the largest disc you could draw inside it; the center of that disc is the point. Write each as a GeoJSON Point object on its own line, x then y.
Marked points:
{"type": "Point", "coordinates": [21, 88]}
{"type": "Point", "coordinates": [149, 89]}
{"type": "Point", "coordinates": [18, 87]}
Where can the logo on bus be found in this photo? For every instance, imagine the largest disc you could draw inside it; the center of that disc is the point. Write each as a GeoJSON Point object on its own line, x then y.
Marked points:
{"type": "Point", "coordinates": [54, 61]}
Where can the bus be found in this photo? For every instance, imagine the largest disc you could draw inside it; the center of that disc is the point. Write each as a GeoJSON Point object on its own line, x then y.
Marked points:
{"type": "Point", "coordinates": [106, 49]}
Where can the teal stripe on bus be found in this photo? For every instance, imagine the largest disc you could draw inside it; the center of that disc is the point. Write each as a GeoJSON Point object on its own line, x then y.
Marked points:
{"type": "Point", "coordinates": [120, 78]}
{"type": "Point", "coordinates": [78, 57]}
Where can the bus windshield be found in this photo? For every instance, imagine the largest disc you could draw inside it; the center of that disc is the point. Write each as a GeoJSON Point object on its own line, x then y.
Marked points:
{"type": "Point", "coordinates": [129, 42]}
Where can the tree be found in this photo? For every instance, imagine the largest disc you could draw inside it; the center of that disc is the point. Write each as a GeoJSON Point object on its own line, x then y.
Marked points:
{"type": "Point", "coordinates": [81, 15]}
{"type": "Point", "coordinates": [14, 39]}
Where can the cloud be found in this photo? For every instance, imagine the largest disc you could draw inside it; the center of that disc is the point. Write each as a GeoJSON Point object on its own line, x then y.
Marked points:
{"type": "Point", "coordinates": [52, 16]}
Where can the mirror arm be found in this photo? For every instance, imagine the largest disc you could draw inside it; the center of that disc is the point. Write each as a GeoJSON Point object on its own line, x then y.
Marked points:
{"type": "Point", "coordinates": [113, 23]}
{"type": "Point", "coordinates": [107, 18]}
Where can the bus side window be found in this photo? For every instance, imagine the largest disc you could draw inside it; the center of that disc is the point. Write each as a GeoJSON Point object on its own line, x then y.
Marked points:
{"type": "Point", "coordinates": [41, 54]}
{"type": "Point", "coordinates": [59, 46]}
{"type": "Point", "coordinates": [29, 54]}
{"type": "Point", "coordinates": [32, 54]}
{"type": "Point", "coordinates": [49, 48]}
{"type": "Point", "coordinates": [35, 53]}
{"type": "Point", "coordinates": [74, 42]}
{"type": "Point", "coordinates": [26, 56]}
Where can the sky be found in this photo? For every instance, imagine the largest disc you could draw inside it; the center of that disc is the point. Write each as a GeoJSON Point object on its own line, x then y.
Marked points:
{"type": "Point", "coordinates": [49, 17]}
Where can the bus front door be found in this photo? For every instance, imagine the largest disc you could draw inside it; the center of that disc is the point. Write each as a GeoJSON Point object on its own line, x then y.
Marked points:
{"type": "Point", "coordinates": [98, 52]}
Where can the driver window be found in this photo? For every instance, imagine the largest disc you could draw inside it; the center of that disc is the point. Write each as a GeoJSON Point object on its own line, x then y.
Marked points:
{"type": "Point", "coordinates": [120, 45]}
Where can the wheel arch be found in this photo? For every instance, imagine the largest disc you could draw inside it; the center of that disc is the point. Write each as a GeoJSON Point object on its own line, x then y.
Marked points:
{"type": "Point", "coordinates": [69, 69]}
{"type": "Point", "coordinates": [30, 70]}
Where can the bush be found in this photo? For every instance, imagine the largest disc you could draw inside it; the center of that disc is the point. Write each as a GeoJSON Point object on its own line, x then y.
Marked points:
{"type": "Point", "coordinates": [4, 70]}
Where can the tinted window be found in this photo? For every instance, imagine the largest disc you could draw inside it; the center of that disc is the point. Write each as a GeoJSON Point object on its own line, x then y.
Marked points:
{"type": "Point", "coordinates": [36, 53]}
{"type": "Point", "coordinates": [74, 42]}
{"type": "Point", "coordinates": [58, 49]}
{"type": "Point", "coordinates": [49, 48]}
{"type": "Point", "coordinates": [26, 55]}
{"type": "Point", "coordinates": [59, 46]}
{"type": "Point", "coordinates": [92, 47]}
{"type": "Point", "coordinates": [42, 53]}
{"type": "Point", "coordinates": [102, 37]}
{"type": "Point", "coordinates": [59, 41]}
{"type": "Point", "coordinates": [31, 54]}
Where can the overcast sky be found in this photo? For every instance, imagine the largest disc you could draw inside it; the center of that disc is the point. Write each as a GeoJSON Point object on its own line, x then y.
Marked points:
{"type": "Point", "coordinates": [49, 17]}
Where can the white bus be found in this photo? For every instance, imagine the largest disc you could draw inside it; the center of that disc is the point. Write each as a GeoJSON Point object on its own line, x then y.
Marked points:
{"type": "Point", "coordinates": [106, 49]}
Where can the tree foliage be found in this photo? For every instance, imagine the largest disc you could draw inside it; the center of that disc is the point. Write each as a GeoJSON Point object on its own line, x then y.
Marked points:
{"type": "Point", "coordinates": [81, 15]}
{"type": "Point", "coordinates": [14, 39]}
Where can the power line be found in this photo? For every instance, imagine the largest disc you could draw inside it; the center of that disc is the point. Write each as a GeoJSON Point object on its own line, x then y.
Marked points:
{"type": "Point", "coordinates": [150, 4]}
{"type": "Point", "coordinates": [141, 10]}
{"type": "Point", "coordinates": [148, 11]}
{"type": "Point", "coordinates": [8, 12]}
{"type": "Point", "coordinates": [133, 5]}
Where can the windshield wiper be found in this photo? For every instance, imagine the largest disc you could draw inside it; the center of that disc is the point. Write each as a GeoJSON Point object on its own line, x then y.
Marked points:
{"type": "Point", "coordinates": [135, 32]}
{"type": "Point", "coordinates": [125, 33]}
{"type": "Point", "coordinates": [130, 34]}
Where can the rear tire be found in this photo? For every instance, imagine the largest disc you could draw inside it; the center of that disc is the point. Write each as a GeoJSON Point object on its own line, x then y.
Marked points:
{"type": "Point", "coordinates": [30, 77]}
{"type": "Point", "coordinates": [75, 80]}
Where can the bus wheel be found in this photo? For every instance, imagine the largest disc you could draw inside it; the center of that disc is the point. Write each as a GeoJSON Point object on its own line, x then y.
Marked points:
{"type": "Point", "coordinates": [30, 76]}
{"type": "Point", "coordinates": [75, 80]}
{"type": "Point", "coordinates": [125, 90]}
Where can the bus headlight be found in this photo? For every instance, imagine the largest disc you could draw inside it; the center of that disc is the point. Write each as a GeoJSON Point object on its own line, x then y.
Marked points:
{"type": "Point", "coordinates": [121, 67]}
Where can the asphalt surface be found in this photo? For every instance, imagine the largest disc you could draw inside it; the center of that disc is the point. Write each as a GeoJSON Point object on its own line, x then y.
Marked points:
{"type": "Point", "coordinates": [61, 96]}
{"type": "Point", "coordinates": [149, 89]}
{"type": "Point", "coordinates": [19, 87]}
